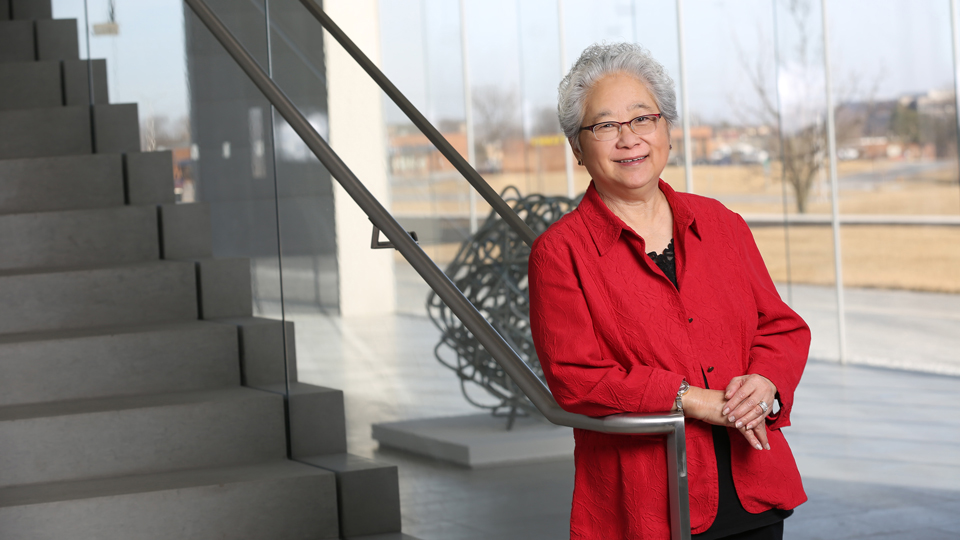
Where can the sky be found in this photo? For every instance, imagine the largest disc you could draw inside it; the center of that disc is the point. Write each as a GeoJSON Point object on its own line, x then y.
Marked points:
{"type": "Point", "coordinates": [146, 62]}
{"type": "Point", "coordinates": [879, 48]}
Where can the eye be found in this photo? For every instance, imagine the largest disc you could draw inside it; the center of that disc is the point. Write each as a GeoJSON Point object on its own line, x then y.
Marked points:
{"type": "Point", "coordinates": [641, 120]}
{"type": "Point", "coordinates": [609, 125]}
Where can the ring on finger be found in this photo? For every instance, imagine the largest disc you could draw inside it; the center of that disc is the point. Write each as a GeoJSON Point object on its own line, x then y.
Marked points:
{"type": "Point", "coordinates": [763, 406]}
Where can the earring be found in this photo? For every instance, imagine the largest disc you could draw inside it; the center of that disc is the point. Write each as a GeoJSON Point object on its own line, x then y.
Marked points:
{"type": "Point", "coordinates": [671, 147]}
{"type": "Point", "coordinates": [579, 162]}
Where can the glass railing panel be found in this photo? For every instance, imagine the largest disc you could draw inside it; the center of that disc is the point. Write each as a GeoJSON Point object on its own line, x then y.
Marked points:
{"type": "Point", "coordinates": [194, 102]}
{"type": "Point", "coordinates": [232, 132]}
{"type": "Point", "coordinates": [144, 64]}
{"type": "Point", "coordinates": [304, 187]}
{"type": "Point", "coordinates": [421, 54]}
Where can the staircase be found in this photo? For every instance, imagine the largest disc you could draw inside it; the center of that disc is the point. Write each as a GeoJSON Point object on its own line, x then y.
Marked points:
{"type": "Point", "coordinates": [139, 397]}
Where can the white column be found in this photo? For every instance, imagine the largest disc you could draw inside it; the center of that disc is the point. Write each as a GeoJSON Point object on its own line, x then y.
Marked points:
{"type": "Point", "coordinates": [468, 113]}
{"type": "Point", "coordinates": [684, 104]}
{"type": "Point", "coordinates": [834, 191]}
{"type": "Point", "coordinates": [357, 134]}
{"type": "Point", "coordinates": [955, 33]}
{"type": "Point", "coordinates": [564, 66]}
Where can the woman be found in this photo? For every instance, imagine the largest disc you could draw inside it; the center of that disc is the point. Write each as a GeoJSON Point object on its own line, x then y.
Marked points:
{"type": "Point", "coordinates": [648, 300]}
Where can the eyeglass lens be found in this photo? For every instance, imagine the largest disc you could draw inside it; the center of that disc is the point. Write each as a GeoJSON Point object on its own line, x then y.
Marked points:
{"type": "Point", "coordinates": [641, 125]}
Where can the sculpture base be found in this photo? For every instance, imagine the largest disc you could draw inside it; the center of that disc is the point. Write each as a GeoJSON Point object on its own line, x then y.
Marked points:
{"type": "Point", "coordinates": [477, 440]}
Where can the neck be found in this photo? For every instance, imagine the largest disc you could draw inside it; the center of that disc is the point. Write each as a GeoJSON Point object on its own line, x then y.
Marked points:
{"type": "Point", "coordinates": [641, 209]}
{"type": "Point", "coordinates": [649, 216]}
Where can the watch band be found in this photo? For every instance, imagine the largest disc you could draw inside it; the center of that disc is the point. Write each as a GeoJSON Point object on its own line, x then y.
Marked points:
{"type": "Point", "coordinates": [684, 388]}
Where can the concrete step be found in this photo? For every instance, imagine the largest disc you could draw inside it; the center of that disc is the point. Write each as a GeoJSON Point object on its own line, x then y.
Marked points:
{"type": "Point", "coordinates": [61, 183]}
{"type": "Point", "coordinates": [17, 41]}
{"type": "Point", "coordinates": [145, 434]}
{"type": "Point", "coordinates": [70, 238]}
{"type": "Point", "coordinates": [368, 494]}
{"type": "Point", "coordinates": [52, 83]}
{"type": "Point", "coordinates": [66, 131]}
{"type": "Point", "coordinates": [30, 9]}
{"type": "Point", "coordinates": [52, 131]}
{"type": "Point", "coordinates": [271, 501]}
{"type": "Point", "coordinates": [28, 85]}
{"type": "Point", "coordinates": [142, 293]}
{"type": "Point", "coordinates": [82, 364]}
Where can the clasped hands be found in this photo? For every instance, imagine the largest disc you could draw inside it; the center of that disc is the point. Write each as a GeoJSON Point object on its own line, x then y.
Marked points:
{"type": "Point", "coordinates": [737, 407]}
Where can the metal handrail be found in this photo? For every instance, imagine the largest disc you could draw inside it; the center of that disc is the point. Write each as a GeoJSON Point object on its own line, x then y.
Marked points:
{"type": "Point", "coordinates": [424, 125]}
{"type": "Point", "coordinates": [526, 380]}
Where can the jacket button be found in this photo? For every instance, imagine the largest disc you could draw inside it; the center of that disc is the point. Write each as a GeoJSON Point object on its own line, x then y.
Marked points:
{"type": "Point", "coordinates": [690, 319]}
{"type": "Point", "coordinates": [710, 369]}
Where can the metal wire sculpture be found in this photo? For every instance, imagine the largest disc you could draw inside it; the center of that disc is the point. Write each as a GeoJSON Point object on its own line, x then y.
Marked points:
{"type": "Point", "coordinates": [490, 269]}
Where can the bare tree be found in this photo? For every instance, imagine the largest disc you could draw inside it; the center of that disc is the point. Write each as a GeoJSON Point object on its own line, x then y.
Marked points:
{"type": "Point", "coordinates": [546, 122]}
{"type": "Point", "coordinates": [160, 132]}
{"type": "Point", "coordinates": [497, 111]}
{"type": "Point", "coordinates": [803, 138]}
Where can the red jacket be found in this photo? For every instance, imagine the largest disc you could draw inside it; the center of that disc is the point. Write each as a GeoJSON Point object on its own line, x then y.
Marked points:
{"type": "Point", "coordinates": [615, 336]}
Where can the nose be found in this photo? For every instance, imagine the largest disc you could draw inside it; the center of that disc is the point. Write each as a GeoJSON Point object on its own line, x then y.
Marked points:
{"type": "Point", "coordinates": [627, 137]}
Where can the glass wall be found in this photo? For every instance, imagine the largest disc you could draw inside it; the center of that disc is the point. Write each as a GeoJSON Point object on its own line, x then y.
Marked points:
{"type": "Point", "coordinates": [759, 143]}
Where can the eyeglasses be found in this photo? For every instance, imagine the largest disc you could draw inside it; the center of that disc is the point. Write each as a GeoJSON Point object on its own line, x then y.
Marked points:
{"type": "Point", "coordinates": [610, 130]}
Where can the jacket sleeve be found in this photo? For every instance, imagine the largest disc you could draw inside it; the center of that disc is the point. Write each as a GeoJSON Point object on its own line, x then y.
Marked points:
{"type": "Point", "coordinates": [582, 379]}
{"type": "Point", "coordinates": [782, 339]}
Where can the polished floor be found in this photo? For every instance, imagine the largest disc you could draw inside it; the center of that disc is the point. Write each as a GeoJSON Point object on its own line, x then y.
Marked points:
{"type": "Point", "coordinates": [879, 448]}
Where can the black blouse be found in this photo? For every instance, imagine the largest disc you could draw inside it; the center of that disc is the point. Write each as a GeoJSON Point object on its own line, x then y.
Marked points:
{"type": "Point", "coordinates": [732, 518]}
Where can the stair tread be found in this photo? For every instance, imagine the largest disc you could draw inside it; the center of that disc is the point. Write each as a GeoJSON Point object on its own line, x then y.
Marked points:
{"type": "Point", "coordinates": [80, 211]}
{"type": "Point", "coordinates": [97, 331]}
{"type": "Point", "coordinates": [91, 268]}
{"type": "Point", "coordinates": [115, 403]}
{"type": "Point", "coordinates": [105, 487]}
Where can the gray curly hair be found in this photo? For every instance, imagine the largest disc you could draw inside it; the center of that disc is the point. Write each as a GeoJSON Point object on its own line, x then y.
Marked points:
{"type": "Point", "coordinates": [599, 60]}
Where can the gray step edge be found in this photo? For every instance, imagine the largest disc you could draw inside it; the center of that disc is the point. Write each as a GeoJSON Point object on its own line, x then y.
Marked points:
{"type": "Point", "coordinates": [97, 331]}
{"type": "Point", "coordinates": [118, 403]}
{"type": "Point", "coordinates": [183, 479]}
{"type": "Point", "coordinates": [67, 365]}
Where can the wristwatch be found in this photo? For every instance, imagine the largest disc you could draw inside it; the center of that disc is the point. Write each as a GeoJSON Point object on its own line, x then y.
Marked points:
{"type": "Point", "coordinates": [684, 388]}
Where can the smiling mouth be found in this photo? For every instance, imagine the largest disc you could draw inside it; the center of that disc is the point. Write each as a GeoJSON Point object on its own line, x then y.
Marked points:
{"type": "Point", "coordinates": [631, 160]}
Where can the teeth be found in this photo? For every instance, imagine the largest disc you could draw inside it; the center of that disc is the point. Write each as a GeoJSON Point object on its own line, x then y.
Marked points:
{"type": "Point", "coordinates": [630, 160]}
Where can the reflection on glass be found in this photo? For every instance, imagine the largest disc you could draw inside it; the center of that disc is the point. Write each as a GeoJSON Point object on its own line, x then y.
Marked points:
{"type": "Point", "coordinates": [899, 196]}
{"type": "Point", "coordinates": [144, 48]}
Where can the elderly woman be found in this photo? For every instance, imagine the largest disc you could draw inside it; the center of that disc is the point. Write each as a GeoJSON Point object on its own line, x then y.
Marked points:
{"type": "Point", "coordinates": [645, 300]}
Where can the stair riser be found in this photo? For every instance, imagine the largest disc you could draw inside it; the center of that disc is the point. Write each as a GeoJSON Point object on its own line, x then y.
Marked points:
{"type": "Point", "coordinates": [296, 508]}
{"type": "Point", "coordinates": [142, 441]}
{"type": "Point", "coordinates": [137, 294]}
{"type": "Point", "coordinates": [179, 358]}
{"type": "Point", "coordinates": [79, 238]}
{"type": "Point", "coordinates": [29, 85]}
{"type": "Point", "coordinates": [17, 41]}
{"type": "Point", "coordinates": [56, 131]}
{"type": "Point", "coordinates": [61, 183]}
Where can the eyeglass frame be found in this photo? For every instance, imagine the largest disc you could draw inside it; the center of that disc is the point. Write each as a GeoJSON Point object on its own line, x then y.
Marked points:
{"type": "Point", "coordinates": [590, 128]}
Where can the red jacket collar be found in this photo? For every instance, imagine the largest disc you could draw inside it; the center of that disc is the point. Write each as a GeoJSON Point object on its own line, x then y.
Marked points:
{"type": "Point", "coordinates": [605, 227]}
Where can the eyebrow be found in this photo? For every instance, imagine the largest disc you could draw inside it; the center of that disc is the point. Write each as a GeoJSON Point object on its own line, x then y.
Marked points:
{"type": "Point", "coordinates": [597, 117]}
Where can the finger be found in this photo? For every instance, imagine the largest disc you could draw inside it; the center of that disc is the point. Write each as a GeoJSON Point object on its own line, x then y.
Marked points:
{"type": "Point", "coordinates": [761, 434]}
{"type": "Point", "coordinates": [749, 420]}
{"type": "Point", "coordinates": [732, 388]}
{"type": "Point", "coordinates": [742, 404]}
{"type": "Point", "coordinates": [734, 395]}
{"type": "Point", "coordinates": [749, 411]}
{"type": "Point", "coordinates": [761, 417]}
{"type": "Point", "coordinates": [751, 437]}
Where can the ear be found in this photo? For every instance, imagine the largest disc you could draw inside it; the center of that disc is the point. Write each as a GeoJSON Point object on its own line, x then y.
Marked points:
{"type": "Point", "coordinates": [578, 154]}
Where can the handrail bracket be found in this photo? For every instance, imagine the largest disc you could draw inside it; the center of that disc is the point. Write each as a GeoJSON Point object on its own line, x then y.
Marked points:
{"type": "Point", "coordinates": [376, 243]}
